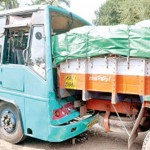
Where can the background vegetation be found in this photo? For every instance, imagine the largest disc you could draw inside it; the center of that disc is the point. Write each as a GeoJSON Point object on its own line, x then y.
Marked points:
{"type": "Point", "coordinates": [9, 4]}
{"type": "Point", "coordinates": [122, 12]}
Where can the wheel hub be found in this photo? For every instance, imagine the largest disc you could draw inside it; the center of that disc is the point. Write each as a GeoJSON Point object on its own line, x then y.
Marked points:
{"type": "Point", "coordinates": [8, 121]}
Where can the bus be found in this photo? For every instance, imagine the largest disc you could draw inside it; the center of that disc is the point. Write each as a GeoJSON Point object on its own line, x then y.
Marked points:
{"type": "Point", "coordinates": [31, 102]}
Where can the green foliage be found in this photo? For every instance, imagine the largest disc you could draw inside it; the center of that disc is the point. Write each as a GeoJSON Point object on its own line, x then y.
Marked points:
{"type": "Point", "coordinates": [122, 12]}
{"type": "Point", "coordinates": [8, 4]}
{"type": "Point", "coordinates": [51, 2]}
{"type": "Point", "coordinates": [108, 13]}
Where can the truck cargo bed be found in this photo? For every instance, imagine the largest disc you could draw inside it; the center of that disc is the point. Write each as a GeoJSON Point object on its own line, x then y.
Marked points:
{"type": "Point", "coordinates": [117, 75]}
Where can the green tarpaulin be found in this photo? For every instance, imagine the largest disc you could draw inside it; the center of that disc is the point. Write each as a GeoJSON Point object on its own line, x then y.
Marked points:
{"type": "Point", "coordinates": [89, 41]}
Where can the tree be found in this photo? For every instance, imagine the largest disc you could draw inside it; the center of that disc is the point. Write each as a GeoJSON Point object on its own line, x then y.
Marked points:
{"type": "Point", "coordinates": [131, 11]}
{"type": "Point", "coordinates": [51, 2]}
{"type": "Point", "coordinates": [109, 13]}
{"type": "Point", "coordinates": [122, 12]}
{"type": "Point", "coordinates": [8, 4]}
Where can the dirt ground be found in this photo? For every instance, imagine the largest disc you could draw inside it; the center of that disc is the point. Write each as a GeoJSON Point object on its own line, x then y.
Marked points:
{"type": "Point", "coordinates": [97, 140]}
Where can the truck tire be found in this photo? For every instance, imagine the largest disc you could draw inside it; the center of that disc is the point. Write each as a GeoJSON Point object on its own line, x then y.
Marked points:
{"type": "Point", "coordinates": [146, 143]}
{"type": "Point", "coordinates": [10, 124]}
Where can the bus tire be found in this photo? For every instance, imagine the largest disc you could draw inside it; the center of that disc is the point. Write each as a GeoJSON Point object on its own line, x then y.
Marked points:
{"type": "Point", "coordinates": [10, 123]}
{"type": "Point", "coordinates": [146, 143]}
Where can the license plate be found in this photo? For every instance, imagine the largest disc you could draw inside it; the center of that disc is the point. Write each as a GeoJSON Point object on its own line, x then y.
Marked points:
{"type": "Point", "coordinates": [92, 123]}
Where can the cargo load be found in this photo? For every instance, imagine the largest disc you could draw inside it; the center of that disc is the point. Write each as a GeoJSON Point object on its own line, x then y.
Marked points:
{"type": "Point", "coordinates": [91, 41]}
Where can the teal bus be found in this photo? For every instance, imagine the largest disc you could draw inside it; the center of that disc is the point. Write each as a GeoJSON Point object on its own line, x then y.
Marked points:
{"type": "Point", "coordinates": [31, 102]}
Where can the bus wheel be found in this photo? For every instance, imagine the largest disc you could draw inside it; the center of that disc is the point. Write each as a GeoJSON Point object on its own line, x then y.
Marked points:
{"type": "Point", "coordinates": [10, 124]}
{"type": "Point", "coordinates": [146, 143]}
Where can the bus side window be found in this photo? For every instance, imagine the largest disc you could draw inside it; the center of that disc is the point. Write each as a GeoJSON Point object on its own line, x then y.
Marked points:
{"type": "Point", "coordinates": [2, 36]}
{"type": "Point", "coordinates": [37, 51]}
{"type": "Point", "coordinates": [17, 40]}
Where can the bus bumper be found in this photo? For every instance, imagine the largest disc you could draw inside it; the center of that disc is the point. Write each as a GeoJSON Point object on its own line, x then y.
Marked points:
{"type": "Point", "coordinates": [64, 132]}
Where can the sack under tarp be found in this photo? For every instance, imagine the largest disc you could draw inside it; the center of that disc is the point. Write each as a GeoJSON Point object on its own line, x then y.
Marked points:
{"type": "Point", "coordinates": [90, 41]}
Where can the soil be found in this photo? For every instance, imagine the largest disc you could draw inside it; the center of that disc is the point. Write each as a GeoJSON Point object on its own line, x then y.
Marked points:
{"type": "Point", "coordinates": [97, 140]}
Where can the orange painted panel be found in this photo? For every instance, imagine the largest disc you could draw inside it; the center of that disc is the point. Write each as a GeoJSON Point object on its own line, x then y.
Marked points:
{"type": "Point", "coordinates": [128, 84]}
{"type": "Point", "coordinates": [99, 82]}
{"type": "Point", "coordinates": [93, 82]}
{"type": "Point", "coordinates": [147, 85]}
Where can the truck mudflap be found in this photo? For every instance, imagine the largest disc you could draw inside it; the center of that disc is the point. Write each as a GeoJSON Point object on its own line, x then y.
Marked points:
{"type": "Point", "coordinates": [74, 128]}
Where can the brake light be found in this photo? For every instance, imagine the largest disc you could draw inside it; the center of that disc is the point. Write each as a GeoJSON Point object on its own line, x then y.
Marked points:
{"type": "Point", "coordinates": [57, 113]}
{"type": "Point", "coordinates": [63, 111]}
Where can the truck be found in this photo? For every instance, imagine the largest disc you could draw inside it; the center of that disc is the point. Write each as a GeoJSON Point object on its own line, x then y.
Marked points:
{"type": "Point", "coordinates": [30, 101]}
{"type": "Point", "coordinates": [108, 67]}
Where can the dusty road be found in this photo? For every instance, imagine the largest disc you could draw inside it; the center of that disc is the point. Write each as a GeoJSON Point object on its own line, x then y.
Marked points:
{"type": "Point", "coordinates": [98, 140]}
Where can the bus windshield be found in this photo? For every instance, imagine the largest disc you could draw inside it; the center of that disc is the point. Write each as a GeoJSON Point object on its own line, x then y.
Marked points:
{"type": "Point", "coordinates": [62, 22]}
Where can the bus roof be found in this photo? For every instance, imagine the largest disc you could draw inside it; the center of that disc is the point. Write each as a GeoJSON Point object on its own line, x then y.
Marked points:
{"type": "Point", "coordinates": [31, 9]}
{"type": "Point", "coordinates": [22, 10]}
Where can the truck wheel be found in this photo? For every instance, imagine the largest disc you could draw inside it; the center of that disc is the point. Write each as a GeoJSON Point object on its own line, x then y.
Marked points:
{"type": "Point", "coordinates": [10, 124]}
{"type": "Point", "coordinates": [146, 143]}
